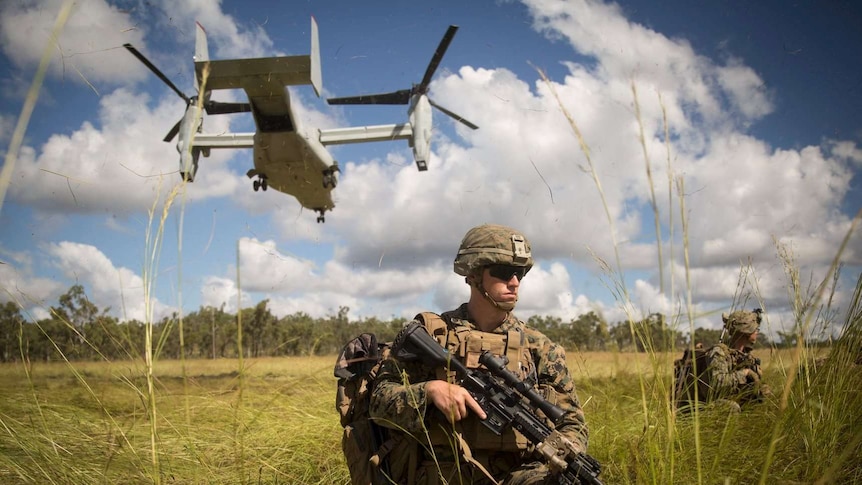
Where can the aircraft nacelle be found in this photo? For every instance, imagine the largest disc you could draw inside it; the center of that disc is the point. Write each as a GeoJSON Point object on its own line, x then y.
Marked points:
{"type": "Point", "coordinates": [418, 128]}
{"type": "Point", "coordinates": [420, 120]}
{"type": "Point", "coordinates": [190, 126]}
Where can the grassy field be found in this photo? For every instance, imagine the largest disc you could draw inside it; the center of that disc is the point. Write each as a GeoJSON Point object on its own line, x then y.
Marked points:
{"type": "Point", "coordinates": [276, 423]}
{"type": "Point", "coordinates": [274, 420]}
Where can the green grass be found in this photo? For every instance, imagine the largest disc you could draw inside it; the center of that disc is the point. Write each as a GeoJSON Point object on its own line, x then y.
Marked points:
{"type": "Point", "coordinates": [56, 430]}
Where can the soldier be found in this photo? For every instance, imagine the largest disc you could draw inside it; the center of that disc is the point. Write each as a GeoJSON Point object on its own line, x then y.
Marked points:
{"type": "Point", "coordinates": [733, 373]}
{"type": "Point", "coordinates": [444, 440]}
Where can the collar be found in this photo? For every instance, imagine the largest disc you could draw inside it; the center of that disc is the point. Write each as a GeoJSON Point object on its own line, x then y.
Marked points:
{"type": "Point", "coordinates": [460, 316]}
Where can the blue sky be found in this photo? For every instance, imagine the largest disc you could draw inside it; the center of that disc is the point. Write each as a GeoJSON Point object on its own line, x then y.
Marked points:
{"type": "Point", "coordinates": [761, 98]}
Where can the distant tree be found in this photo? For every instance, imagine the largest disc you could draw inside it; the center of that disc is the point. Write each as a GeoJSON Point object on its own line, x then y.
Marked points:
{"type": "Point", "coordinates": [11, 323]}
{"type": "Point", "coordinates": [256, 323]}
{"type": "Point", "coordinates": [74, 314]}
{"type": "Point", "coordinates": [583, 331]}
{"type": "Point", "coordinates": [706, 336]}
{"type": "Point", "coordinates": [621, 336]}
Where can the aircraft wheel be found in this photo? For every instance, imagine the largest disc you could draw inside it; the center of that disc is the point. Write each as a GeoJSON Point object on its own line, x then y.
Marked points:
{"type": "Point", "coordinates": [264, 185]}
{"type": "Point", "coordinates": [320, 219]}
{"type": "Point", "coordinates": [256, 185]}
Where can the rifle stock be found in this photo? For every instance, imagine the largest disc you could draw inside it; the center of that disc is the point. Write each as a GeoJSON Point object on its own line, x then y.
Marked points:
{"type": "Point", "coordinates": [501, 395]}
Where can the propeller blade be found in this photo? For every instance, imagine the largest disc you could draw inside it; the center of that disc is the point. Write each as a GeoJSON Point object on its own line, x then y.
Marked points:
{"type": "Point", "coordinates": [171, 134]}
{"type": "Point", "coordinates": [396, 97]}
{"type": "Point", "coordinates": [221, 108]}
{"type": "Point", "coordinates": [454, 115]}
{"type": "Point", "coordinates": [435, 60]}
{"type": "Point", "coordinates": [156, 71]}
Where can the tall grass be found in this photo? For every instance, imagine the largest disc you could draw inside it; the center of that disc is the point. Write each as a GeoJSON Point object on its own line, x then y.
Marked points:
{"type": "Point", "coordinates": [241, 420]}
{"type": "Point", "coordinates": [724, 446]}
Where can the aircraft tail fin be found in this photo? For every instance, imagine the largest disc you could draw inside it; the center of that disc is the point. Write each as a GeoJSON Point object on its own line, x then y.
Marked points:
{"type": "Point", "coordinates": [201, 49]}
{"type": "Point", "coordinates": [315, 74]}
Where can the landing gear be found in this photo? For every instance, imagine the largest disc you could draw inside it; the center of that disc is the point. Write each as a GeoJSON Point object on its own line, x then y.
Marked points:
{"type": "Point", "coordinates": [329, 179]}
{"type": "Point", "coordinates": [321, 218]}
{"type": "Point", "coordinates": [260, 183]}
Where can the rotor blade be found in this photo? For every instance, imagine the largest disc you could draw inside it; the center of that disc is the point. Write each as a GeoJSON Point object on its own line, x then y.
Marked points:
{"type": "Point", "coordinates": [171, 134]}
{"type": "Point", "coordinates": [221, 108]}
{"type": "Point", "coordinates": [156, 71]}
{"type": "Point", "coordinates": [397, 97]}
{"type": "Point", "coordinates": [435, 60]}
{"type": "Point", "coordinates": [453, 115]}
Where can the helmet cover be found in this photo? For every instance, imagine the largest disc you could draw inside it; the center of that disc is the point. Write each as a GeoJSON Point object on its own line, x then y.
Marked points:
{"type": "Point", "coordinates": [742, 321]}
{"type": "Point", "coordinates": [492, 244]}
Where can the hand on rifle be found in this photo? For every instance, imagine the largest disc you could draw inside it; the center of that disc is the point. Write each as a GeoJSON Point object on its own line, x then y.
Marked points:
{"type": "Point", "coordinates": [751, 376]}
{"type": "Point", "coordinates": [452, 400]}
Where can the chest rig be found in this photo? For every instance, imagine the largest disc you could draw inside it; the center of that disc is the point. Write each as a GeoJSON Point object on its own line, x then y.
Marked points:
{"type": "Point", "coordinates": [467, 345]}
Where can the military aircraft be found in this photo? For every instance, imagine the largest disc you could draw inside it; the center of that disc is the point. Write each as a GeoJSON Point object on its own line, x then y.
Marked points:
{"type": "Point", "coordinates": [288, 156]}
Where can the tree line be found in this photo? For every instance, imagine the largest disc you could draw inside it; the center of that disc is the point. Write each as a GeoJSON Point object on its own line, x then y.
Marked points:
{"type": "Point", "coordinates": [78, 330]}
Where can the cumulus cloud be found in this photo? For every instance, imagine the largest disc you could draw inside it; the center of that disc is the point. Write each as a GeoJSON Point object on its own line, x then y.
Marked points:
{"type": "Point", "coordinates": [219, 291]}
{"type": "Point", "coordinates": [119, 288]}
{"type": "Point", "coordinates": [395, 230]}
{"type": "Point", "coordinates": [86, 51]}
{"type": "Point", "coordinates": [122, 167]}
{"type": "Point", "coordinates": [20, 283]}
{"type": "Point", "coordinates": [110, 287]}
{"type": "Point", "coordinates": [226, 37]}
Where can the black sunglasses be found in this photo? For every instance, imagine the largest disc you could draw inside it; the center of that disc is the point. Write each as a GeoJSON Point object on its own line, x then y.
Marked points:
{"type": "Point", "coordinates": [505, 272]}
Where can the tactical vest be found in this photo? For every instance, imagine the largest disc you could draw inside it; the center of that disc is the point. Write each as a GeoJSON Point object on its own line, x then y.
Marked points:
{"type": "Point", "coordinates": [467, 345]}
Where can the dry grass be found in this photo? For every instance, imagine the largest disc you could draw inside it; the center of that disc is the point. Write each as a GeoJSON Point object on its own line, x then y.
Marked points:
{"type": "Point", "coordinates": [290, 426]}
{"type": "Point", "coordinates": [274, 421]}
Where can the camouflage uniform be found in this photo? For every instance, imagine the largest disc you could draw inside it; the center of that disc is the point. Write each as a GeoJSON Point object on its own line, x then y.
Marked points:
{"type": "Point", "coordinates": [432, 450]}
{"type": "Point", "coordinates": [728, 379]}
{"type": "Point", "coordinates": [403, 407]}
{"type": "Point", "coordinates": [727, 376]}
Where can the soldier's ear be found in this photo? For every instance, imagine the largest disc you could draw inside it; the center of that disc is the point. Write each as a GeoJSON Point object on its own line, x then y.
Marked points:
{"type": "Point", "coordinates": [724, 317]}
{"type": "Point", "coordinates": [475, 276]}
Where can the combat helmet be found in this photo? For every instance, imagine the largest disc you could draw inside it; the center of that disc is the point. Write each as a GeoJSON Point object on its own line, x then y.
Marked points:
{"type": "Point", "coordinates": [742, 321]}
{"type": "Point", "coordinates": [492, 244]}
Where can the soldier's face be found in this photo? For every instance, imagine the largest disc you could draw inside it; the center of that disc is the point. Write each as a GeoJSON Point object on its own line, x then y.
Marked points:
{"type": "Point", "coordinates": [753, 337]}
{"type": "Point", "coordinates": [501, 290]}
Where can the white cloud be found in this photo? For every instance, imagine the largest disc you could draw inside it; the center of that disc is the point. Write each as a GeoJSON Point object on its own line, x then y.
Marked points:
{"type": "Point", "coordinates": [264, 269]}
{"type": "Point", "coordinates": [217, 291]}
{"type": "Point", "coordinates": [225, 37]}
{"type": "Point", "coordinates": [18, 283]}
{"type": "Point", "coordinates": [395, 230]}
{"type": "Point", "coordinates": [86, 50]}
{"type": "Point", "coordinates": [119, 288]}
{"type": "Point", "coordinates": [122, 167]}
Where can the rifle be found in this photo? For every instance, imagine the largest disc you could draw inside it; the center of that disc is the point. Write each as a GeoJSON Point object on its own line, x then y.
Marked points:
{"type": "Point", "coordinates": [500, 395]}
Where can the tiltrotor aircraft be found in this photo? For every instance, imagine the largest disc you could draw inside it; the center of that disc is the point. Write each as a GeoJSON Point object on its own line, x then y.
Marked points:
{"type": "Point", "coordinates": [289, 157]}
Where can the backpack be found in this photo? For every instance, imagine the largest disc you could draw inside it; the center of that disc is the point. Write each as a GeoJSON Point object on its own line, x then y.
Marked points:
{"type": "Point", "coordinates": [690, 374]}
{"type": "Point", "coordinates": [367, 445]}
{"type": "Point", "coordinates": [364, 443]}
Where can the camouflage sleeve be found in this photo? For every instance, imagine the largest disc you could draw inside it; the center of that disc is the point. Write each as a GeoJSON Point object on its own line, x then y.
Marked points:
{"type": "Point", "coordinates": [724, 379]}
{"type": "Point", "coordinates": [557, 386]}
{"type": "Point", "coordinates": [398, 397]}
